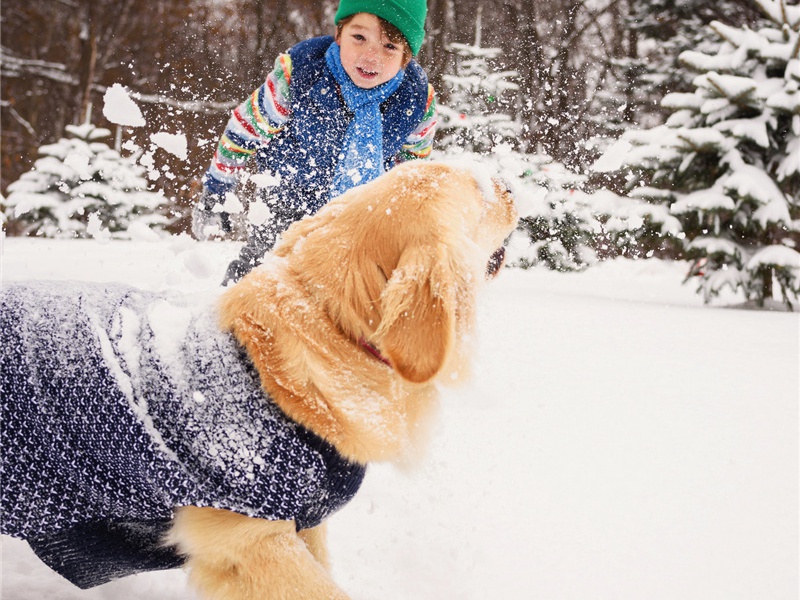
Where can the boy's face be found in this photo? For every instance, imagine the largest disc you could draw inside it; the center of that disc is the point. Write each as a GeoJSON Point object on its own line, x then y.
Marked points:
{"type": "Point", "coordinates": [368, 56]}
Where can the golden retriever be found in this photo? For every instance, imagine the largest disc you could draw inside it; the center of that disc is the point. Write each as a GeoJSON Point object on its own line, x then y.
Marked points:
{"type": "Point", "coordinates": [120, 404]}
{"type": "Point", "coordinates": [349, 322]}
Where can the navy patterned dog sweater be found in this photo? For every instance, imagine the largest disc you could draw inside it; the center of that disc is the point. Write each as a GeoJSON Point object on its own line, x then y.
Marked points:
{"type": "Point", "coordinates": [120, 405]}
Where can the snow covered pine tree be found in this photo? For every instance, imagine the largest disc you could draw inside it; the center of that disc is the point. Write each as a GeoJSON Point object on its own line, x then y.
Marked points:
{"type": "Point", "coordinates": [80, 187]}
{"type": "Point", "coordinates": [472, 119]}
{"type": "Point", "coordinates": [727, 161]}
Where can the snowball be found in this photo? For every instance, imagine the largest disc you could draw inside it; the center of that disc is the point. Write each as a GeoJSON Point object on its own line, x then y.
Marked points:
{"type": "Point", "coordinates": [120, 109]}
{"type": "Point", "coordinates": [174, 143]}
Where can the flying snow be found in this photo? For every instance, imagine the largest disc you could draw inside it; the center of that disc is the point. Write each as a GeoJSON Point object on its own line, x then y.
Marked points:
{"type": "Point", "coordinates": [119, 108]}
{"type": "Point", "coordinates": [613, 158]}
{"type": "Point", "coordinates": [259, 213]}
{"type": "Point", "coordinates": [174, 143]}
{"type": "Point", "coordinates": [265, 180]}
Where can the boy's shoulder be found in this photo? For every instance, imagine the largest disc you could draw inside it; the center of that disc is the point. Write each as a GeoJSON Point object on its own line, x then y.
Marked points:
{"type": "Point", "coordinates": [417, 74]}
{"type": "Point", "coordinates": [311, 49]}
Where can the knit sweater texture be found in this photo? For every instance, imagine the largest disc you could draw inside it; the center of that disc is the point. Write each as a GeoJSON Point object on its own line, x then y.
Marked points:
{"type": "Point", "coordinates": [120, 405]}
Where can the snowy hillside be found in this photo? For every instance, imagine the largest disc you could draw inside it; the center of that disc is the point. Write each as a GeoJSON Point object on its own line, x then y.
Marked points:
{"type": "Point", "coordinates": [618, 441]}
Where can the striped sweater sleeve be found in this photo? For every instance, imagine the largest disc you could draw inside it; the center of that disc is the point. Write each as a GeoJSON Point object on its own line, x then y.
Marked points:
{"type": "Point", "coordinates": [420, 143]}
{"type": "Point", "coordinates": [252, 124]}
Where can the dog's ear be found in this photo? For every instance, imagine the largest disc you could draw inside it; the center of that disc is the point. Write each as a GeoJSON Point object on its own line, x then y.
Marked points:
{"type": "Point", "coordinates": [419, 312]}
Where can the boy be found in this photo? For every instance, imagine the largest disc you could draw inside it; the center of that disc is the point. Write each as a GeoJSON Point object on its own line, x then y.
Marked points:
{"type": "Point", "coordinates": [334, 113]}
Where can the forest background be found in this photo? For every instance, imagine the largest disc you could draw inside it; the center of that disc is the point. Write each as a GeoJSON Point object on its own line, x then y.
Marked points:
{"type": "Point", "coordinates": [585, 69]}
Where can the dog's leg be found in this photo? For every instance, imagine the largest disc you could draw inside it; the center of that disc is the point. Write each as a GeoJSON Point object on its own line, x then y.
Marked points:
{"type": "Point", "coordinates": [316, 540]}
{"type": "Point", "coordinates": [234, 557]}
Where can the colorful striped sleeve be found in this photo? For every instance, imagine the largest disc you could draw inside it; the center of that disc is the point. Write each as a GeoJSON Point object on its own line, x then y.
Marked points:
{"type": "Point", "coordinates": [420, 143]}
{"type": "Point", "coordinates": [252, 125]}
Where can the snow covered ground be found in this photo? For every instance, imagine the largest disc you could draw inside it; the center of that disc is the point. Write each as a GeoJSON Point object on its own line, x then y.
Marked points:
{"type": "Point", "coordinates": [618, 441]}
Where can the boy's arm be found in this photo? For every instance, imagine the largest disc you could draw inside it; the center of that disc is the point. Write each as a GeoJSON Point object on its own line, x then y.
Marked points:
{"type": "Point", "coordinates": [420, 143]}
{"type": "Point", "coordinates": [252, 124]}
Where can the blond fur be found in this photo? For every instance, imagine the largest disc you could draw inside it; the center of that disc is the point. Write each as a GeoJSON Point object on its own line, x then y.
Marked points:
{"type": "Point", "coordinates": [397, 263]}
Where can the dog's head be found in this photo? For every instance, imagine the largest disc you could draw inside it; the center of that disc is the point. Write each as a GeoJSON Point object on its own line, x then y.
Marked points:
{"type": "Point", "coordinates": [396, 262]}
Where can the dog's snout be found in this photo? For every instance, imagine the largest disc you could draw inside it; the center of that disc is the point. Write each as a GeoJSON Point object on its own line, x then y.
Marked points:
{"type": "Point", "coordinates": [496, 262]}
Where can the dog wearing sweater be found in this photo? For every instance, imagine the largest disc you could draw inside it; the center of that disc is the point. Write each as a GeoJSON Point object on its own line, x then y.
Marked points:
{"type": "Point", "coordinates": [334, 345]}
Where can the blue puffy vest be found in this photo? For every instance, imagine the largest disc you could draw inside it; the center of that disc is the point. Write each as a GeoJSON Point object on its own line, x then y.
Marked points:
{"type": "Point", "coordinates": [305, 153]}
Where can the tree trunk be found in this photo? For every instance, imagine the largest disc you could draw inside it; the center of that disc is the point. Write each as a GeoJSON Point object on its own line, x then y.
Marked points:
{"type": "Point", "coordinates": [629, 115]}
{"type": "Point", "coordinates": [766, 285]}
{"type": "Point", "coordinates": [88, 60]}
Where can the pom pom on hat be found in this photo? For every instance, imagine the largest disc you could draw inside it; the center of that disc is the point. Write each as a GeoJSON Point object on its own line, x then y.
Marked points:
{"type": "Point", "coordinates": [407, 15]}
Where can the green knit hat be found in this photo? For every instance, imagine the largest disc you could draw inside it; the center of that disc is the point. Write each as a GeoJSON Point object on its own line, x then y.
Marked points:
{"type": "Point", "coordinates": [407, 15]}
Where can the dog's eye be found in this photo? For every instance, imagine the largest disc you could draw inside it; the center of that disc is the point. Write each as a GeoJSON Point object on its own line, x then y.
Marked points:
{"type": "Point", "coordinates": [496, 262]}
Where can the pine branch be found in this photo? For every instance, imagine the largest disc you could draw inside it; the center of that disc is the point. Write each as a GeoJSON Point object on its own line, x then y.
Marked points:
{"type": "Point", "coordinates": [796, 50]}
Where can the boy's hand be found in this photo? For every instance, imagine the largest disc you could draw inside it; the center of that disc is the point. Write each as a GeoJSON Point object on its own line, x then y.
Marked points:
{"type": "Point", "coordinates": [208, 223]}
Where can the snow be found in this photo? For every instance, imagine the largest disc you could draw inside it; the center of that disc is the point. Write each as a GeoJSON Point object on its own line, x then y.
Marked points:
{"type": "Point", "coordinates": [259, 213]}
{"type": "Point", "coordinates": [232, 205]}
{"type": "Point", "coordinates": [677, 100]}
{"type": "Point", "coordinates": [791, 164]}
{"type": "Point", "coordinates": [715, 245]}
{"type": "Point", "coordinates": [780, 256]}
{"type": "Point", "coordinates": [701, 137]}
{"type": "Point", "coordinates": [119, 108]}
{"type": "Point", "coordinates": [78, 175]}
{"type": "Point", "coordinates": [732, 87]}
{"type": "Point", "coordinates": [86, 131]}
{"type": "Point", "coordinates": [751, 182]}
{"type": "Point", "coordinates": [96, 230]}
{"type": "Point", "coordinates": [617, 440]}
{"type": "Point", "coordinates": [613, 158]}
{"type": "Point", "coordinates": [265, 180]}
{"type": "Point", "coordinates": [174, 143]}
{"type": "Point", "coordinates": [704, 200]}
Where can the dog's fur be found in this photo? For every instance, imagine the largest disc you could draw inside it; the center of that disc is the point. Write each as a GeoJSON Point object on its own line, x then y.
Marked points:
{"type": "Point", "coordinates": [394, 265]}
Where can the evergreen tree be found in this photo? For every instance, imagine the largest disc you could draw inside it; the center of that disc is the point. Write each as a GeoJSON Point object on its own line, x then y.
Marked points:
{"type": "Point", "coordinates": [80, 187]}
{"type": "Point", "coordinates": [472, 119]}
{"type": "Point", "coordinates": [727, 161]}
{"type": "Point", "coordinates": [664, 29]}
{"type": "Point", "coordinates": [565, 227]}
{"type": "Point", "coordinates": [558, 228]}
